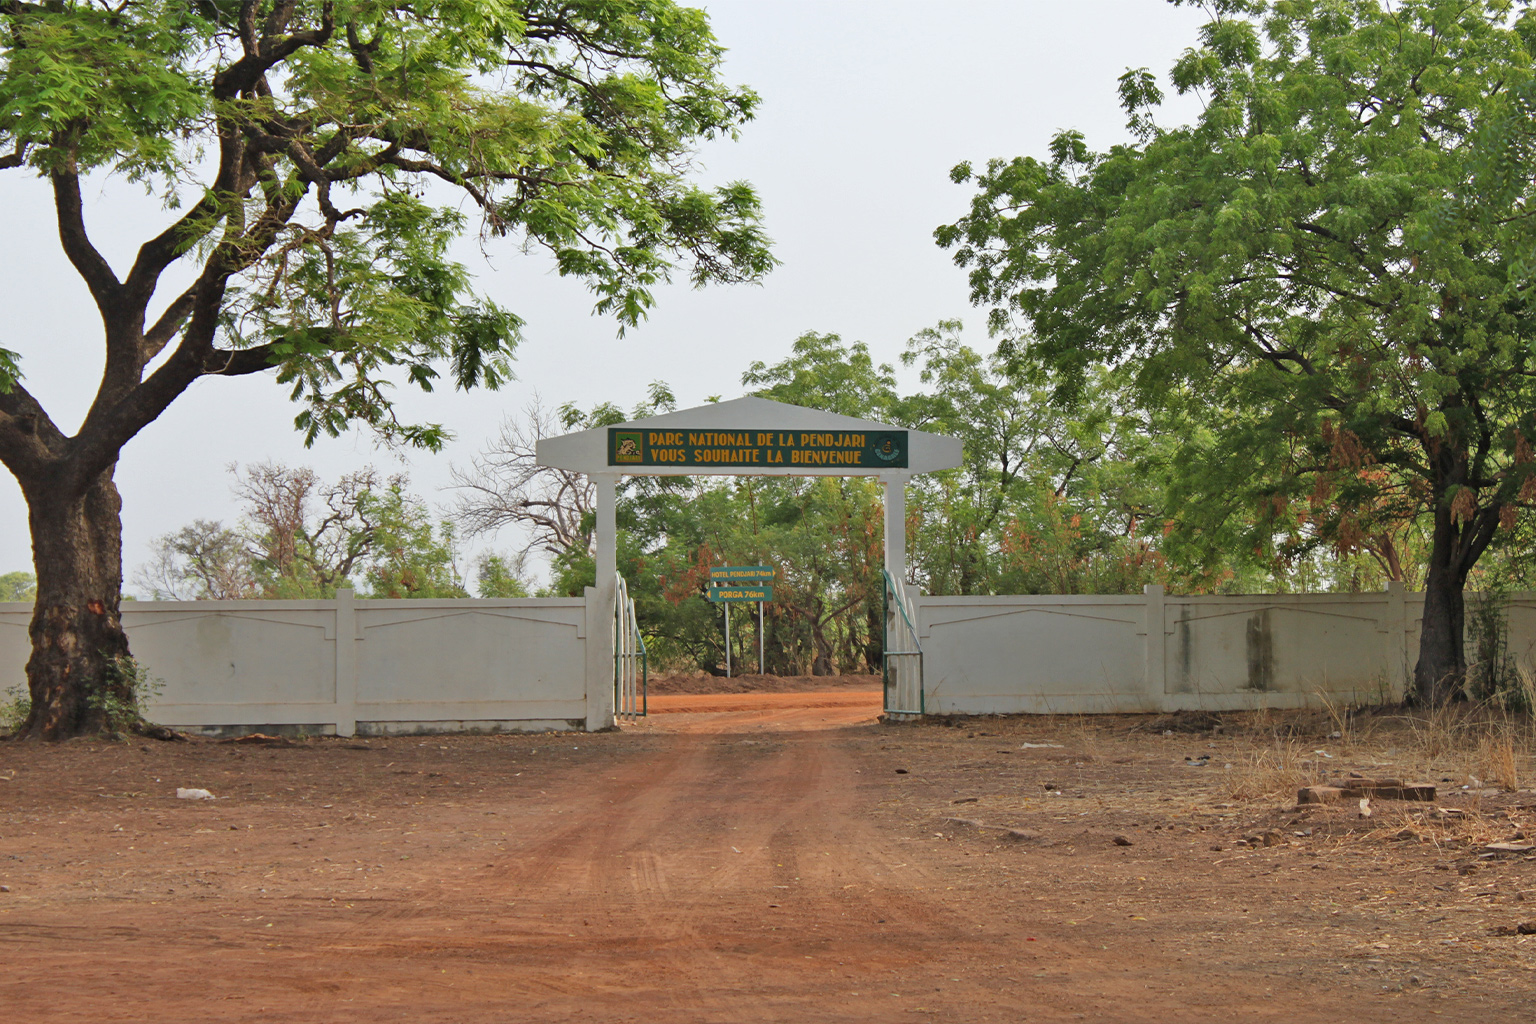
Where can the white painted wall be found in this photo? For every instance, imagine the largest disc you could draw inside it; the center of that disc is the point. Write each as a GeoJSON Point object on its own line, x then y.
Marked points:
{"type": "Point", "coordinates": [420, 666]}
{"type": "Point", "coordinates": [348, 666]}
{"type": "Point", "coordinates": [1045, 655]}
{"type": "Point", "coordinates": [1152, 652]}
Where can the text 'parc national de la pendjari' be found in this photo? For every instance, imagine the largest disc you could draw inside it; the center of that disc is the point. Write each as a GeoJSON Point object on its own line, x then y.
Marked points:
{"type": "Point", "coordinates": [750, 449]}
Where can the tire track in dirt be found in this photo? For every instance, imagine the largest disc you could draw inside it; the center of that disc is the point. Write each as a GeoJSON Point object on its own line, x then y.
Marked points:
{"type": "Point", "coordinates": [703, 878]}
{"type": "Point", "coordinates": [722, 865]}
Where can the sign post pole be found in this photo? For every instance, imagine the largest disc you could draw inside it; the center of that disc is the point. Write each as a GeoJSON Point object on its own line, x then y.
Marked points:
{"type": "Point", "coordinates": [731, 583]}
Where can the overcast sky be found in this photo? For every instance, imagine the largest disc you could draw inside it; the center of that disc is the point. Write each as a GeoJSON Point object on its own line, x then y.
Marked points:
{"type": "Point", "coordinates": [865, 108]}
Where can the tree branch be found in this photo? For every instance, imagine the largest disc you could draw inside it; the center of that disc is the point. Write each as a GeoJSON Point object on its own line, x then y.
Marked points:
{"type": "Point", "coordinates": [361, 52]}
{"type": "Point", "coordinates": [239, 362]}
{"type": "Point", "coordinates": [560, 73]}
{"type": "Point", "coordinates": [165, 328]}
{"type": "Point", "coordinates": [1477, 535]}
{"type": "Point", "coordinates": [263, 53]}
{"type": "Point", "coordinates": [15, 158]}
{"type": "Point", "coordinates": [29, 440]}
{"type": "Point", "coordinates": [114, 420]}
{"type": "Point", "coordinates": [165, 248]}
{"type": "Point", "coordinates": [90, 264]}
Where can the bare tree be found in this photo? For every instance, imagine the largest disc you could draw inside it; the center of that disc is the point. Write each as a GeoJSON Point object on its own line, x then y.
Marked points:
{"type": "Point", "coordinates": [202, 562]}
{"type": "Point", "coordinates": [308, 536]}
{"type": "Point", "coordinates": [506, 486]}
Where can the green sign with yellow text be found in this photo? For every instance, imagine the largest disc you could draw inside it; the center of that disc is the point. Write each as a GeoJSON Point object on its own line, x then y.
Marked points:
{"type": "Point", "coordinates": [739, 573]}
{"type": "Point", "coordinates": [758, 449]}
{"type": "Point", "coordinates": [746, 592]}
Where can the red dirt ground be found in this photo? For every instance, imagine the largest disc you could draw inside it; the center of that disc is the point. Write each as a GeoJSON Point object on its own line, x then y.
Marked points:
{"type": "Point", "coordinates": [861, 705]}
{"type": "Point", "coordinates": [698, 682]}
{"type": "Point", "coordinates": [794, 863]}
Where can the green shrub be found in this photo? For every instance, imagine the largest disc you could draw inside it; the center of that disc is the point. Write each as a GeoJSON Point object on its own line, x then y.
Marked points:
{"type": "Point", "coordinates": [121, 703]}
{"type": "Point", "coordinates": [15, 706]}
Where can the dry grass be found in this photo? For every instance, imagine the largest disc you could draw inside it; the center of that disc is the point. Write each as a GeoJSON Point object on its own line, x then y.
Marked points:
{"type": "Point", "coordinates": [1084, 735]}
{"type": "Point", "coordinates": [1272, 753]}
{"type": "Point", "coordinates": [1470, 744]}
{"type": "Point", "coordinates": [1499, 762]}
{"type": "Point", "coordinates": [1275, 773]}
{"type": "Point", "coordinates": [1447, 732]}
{"type": "Point", "coordinates": [1455, 834]}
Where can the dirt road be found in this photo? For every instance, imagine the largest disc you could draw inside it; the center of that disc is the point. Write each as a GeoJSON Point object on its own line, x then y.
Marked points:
{"type": "Point", "coordinates": [774, 865]}
{"type": "Point", "coordinates": [780, 711]}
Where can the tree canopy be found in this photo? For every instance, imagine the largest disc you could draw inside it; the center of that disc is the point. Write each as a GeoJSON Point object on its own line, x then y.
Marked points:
{"type": "Point", "coordinates": [322, 151]}
{"type": "Point", "coordinates": [320, 155]}
{"type": "Point", "coordinates": [1322, 285]}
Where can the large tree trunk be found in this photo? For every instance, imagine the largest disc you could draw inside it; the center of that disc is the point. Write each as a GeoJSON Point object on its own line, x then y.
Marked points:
{"type": "Point", "coordinates": [74, 673]}
{"type": "Point", "coordinates": [1442, 661]}
{"type": "Point", "coordinates": [1458, 541]}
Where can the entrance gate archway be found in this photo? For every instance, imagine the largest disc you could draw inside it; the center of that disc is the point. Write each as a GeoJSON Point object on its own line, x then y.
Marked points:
{"type": "Point", "coordinates": [748, 437]}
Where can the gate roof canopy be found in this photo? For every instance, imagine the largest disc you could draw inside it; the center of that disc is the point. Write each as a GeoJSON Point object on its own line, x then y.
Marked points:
{"type": "Point", "coordinates": [587, 451]}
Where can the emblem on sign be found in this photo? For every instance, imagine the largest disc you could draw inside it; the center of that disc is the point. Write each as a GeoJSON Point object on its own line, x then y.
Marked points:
{"type": "Point", "coordinates": [626, 448]}
{"type": "Point", "coordinates": [887, 450]}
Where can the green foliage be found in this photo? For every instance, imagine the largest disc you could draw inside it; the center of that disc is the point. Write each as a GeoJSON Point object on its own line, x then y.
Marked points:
{"type": "Point", "coordinates": [120, 702]}
{"type": "Point", "coordinates": [301, 538]}
{"type": "Point", "coordinates": [500, 576]}
{"type": "Point", "coordinates": [201, 561]}
{"type": "Point", "coordinates": [378, 297]}
{"type": "Point", "coordinates": [823, 373]}
{"type": "Point", "coordinates": [1322, 286]}
{"type": "Point", "coordinates": [1053, 496]}
{"type": "Point", "coordinates": [18, 586]}
{"type": "Point", "coordinates": [821, 534]}
{"type": "Point", "coordinates": [411, 555]}
{"type": "Point", "coordinates": [1323, 274]}
{"type": "Point", "coordinates": [322, 152]}
{"type": "Point", "coordinates": [1028, 463]}
{"type": "Point", "coordinates": [15, 707]}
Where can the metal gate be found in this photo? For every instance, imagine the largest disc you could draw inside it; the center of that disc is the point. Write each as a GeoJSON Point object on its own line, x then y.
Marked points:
{"type": "Point", "coordinates": [901, 655]}
{"type": "Point", "coordinates": [630, 670]}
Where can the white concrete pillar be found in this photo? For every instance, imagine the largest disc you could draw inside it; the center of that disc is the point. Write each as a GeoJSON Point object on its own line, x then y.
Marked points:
{"type": "Point", "coordinates": [607, 529]}
{"type": "Point", "coordinates": [599, 639]}
{"type": "Point", "coordinates": [346, 663]}
{"type": "Point", "coordinates": [600, 599]}
{"type": "Point", "coordinates": [1155, 668]}
{"type": "Point", "coordinates": [896, 527]}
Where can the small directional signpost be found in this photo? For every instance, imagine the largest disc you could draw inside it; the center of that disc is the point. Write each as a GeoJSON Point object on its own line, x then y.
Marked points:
{"type": "Point", "coordinates": [730, 583]}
